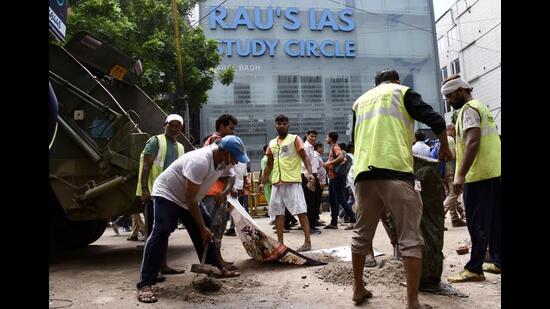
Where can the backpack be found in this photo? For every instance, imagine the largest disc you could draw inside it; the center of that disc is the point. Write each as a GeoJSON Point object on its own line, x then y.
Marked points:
{"type": "Point", "coordinates": [343, 168]}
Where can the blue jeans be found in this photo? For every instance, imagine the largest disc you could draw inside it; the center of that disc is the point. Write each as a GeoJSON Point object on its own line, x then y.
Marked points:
{"type": "Point", "coordinates": [337, 198]}
{"type": "Point", "coordinates": [165, 215]}
{"type": "Point", "coordinates": [482, 200]}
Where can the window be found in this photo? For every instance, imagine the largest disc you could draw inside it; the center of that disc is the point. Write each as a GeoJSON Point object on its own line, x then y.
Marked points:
{"type": "Point", "coordinates": [452, 36]}
{"type": "Point", "coordinates": [444, 73]}
{"type": "Point", "coordinates": [455, 66]}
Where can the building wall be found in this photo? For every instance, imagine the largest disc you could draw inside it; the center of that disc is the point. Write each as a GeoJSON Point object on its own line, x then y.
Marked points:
{"type": "Point", "coordinates": [473, 35]}
{"type": "Point", "coordinates": [318, 92]}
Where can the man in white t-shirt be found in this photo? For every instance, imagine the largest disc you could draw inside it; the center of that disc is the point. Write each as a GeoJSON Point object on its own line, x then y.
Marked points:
{"type": "Point", "coordinates": [322, 179]}
{"type": "Point", "coordinates": [176, 194]}
{"type": "Point", "coordinates": [420, 148]}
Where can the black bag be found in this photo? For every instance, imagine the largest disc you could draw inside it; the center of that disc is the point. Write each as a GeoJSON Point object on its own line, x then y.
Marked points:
{"type": "Point", "coordinates": [343, 168]}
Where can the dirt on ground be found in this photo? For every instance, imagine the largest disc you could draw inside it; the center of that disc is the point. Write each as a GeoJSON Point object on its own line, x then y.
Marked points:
{"type": "Point", "coordinates": [104, 275]}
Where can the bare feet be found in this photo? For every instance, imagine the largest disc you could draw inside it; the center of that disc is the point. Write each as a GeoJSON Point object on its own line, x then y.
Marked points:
{"type": "Point", "coordinates": [304, 247]}
{"type": "Point", "coordinates": [370, 261]}
{"type": "Point", "coordinates": [417, 305]}
{"type": "Point", "coordinates": [360, 295]}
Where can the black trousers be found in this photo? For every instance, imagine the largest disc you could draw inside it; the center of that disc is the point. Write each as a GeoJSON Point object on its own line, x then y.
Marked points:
{"type": "Point", "coordinates": [482, 200]}
{"type": "Point", "coordinates": [311, 200]}
{"type": "Point", "coordinates": [165, 214]}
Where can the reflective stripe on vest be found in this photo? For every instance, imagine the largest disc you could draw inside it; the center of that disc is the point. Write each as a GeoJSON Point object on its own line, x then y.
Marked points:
{"type": "Point", "coordinates": [384, 130]}
{"type": "Point", "coordinates": [486, 164]}
{"type": "Point", "coordinates": [286, 161]}
{"type": "Point", "coordinates": [158, 163]}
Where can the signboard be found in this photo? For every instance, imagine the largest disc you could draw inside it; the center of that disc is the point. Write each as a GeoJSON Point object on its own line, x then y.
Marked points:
{"type": "Point", "coordinates": [263, 20]}
{"type": "Point", "coordinates": [58, 17]}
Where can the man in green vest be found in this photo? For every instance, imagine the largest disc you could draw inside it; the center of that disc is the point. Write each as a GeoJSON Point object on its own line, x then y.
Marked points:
{"type": "Point", "coordinates": [285, 154]}
{"type": "Point", "coordinates": [159, 152]}
{"type": "Point", "coordinates": [477, 175]}
{"type": "Point", "coordinates": [383, 134]}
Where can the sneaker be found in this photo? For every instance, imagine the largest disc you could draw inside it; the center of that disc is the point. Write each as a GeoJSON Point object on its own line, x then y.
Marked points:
{"type": "Point", "coordinates": [466, 276]}
{"type": "Point", "coordinates": [459, 223]}
{"type": "Point", "coordinates": [491, 268]}
{"type": "Point", "coordinates": [181, 226]}
{"type": "Point", "coordinates": [115, 228]}
{"type": "Point", "coordinates": [315, 231]}
{"type": "Point", "coordinates": [331, 227]}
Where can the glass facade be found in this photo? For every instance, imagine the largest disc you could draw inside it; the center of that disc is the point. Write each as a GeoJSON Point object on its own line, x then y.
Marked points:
{"type": "Point", "coordinates": [310, 60]}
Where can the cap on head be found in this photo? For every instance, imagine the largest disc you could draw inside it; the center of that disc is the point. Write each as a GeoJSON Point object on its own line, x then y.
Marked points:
{"type": "Point", "coordinates": [235, 146]}
{"type": "Point", "coordinates": [454, 83]}
{"type": "Point", "coordinates": [174, 117]}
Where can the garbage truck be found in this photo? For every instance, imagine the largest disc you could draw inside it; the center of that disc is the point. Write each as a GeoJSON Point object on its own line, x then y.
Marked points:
{"type": "Point", "coordinates": [103, 121]}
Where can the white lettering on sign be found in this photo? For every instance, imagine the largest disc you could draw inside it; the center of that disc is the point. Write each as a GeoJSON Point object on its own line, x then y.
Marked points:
{"type": "Point", "coordinates": [240, 67]}
{"type": "Point", "coordinates": [249, 67]}
{"type": "Point", "coordinates": [56, 21]}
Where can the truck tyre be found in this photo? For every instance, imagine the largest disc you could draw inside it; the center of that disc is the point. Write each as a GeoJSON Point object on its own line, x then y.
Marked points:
{"type": "Point", "coordinates": [69, 234]}
{"type": "Point", "coordinates": [85, 232]}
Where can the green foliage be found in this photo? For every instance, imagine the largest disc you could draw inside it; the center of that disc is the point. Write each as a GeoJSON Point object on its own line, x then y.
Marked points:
{"type": "Point", "coordinates": [226, 76]}
{"type": "Point", "coordinates": [143, 29]}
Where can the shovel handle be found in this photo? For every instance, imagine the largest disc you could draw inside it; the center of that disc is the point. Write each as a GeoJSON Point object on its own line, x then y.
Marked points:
{"type": "Point", "coordinates": [204, 251]}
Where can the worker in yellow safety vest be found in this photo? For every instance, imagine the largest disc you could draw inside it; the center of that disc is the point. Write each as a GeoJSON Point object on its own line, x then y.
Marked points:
{"type": "Point", "coordinates": [383, 135]}
{"type": "Point", "coordinates": [159, 152]}
{"type": "Point", "coordinates": [477, 174]}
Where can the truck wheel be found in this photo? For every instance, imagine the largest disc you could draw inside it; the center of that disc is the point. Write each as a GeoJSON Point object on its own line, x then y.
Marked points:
{"type": "Point", "coordinates": [85, 232]}
{"type": "Point", "coordinates": [68, 234]}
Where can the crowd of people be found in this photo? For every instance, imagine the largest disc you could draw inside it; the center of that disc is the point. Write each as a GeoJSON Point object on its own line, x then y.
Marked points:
{"type": "Point", "coordinates": [371, 178]}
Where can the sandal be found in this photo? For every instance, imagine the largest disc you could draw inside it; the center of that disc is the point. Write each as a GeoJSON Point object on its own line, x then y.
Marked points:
{"type": "Point", "coordinates": [132, 238]}
{"type": "Point", "coordinates": [146, 295]}
{"type": "Point", "coordinates": [230, 267]}
{"type": "Point", "coordinates": [171, 271]}
{"type": "Point", "coordinates": [491, 268]}
{"type": "Point", "coordinates": [466, 276]}
{"type": "Point", "coordinates": [304, 247]}
{"type": "Point", "coordinates": [226, 273]}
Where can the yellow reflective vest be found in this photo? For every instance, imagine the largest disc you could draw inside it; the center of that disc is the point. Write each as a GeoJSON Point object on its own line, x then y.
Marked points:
{"type": "Point", "coordinates": [487, 161]}
{"type": "Point", "coordinates": [158, 163]}
{"type": "Point", "coordinates": [286, 161]}
{"type": "Point", "coordinates": [384, 130]}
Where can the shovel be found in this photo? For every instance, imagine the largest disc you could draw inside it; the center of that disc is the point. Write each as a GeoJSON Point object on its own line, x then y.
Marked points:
{"type": "Point", "coordinates": [205, 268]}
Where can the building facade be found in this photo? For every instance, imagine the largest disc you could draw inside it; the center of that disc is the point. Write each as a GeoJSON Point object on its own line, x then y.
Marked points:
{"type": "Point", "coordinates": [310, 60]}
{"type": "Point", "coordinates": [469, 44]}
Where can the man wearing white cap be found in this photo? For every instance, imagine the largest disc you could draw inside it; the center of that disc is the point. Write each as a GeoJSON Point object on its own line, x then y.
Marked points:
{"type": "Point", "coordinates": [478, 175]}
{"type": "Point", "coordinates": [176, 194]}
{"type": "Point", "coordinates": [159, 152]}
